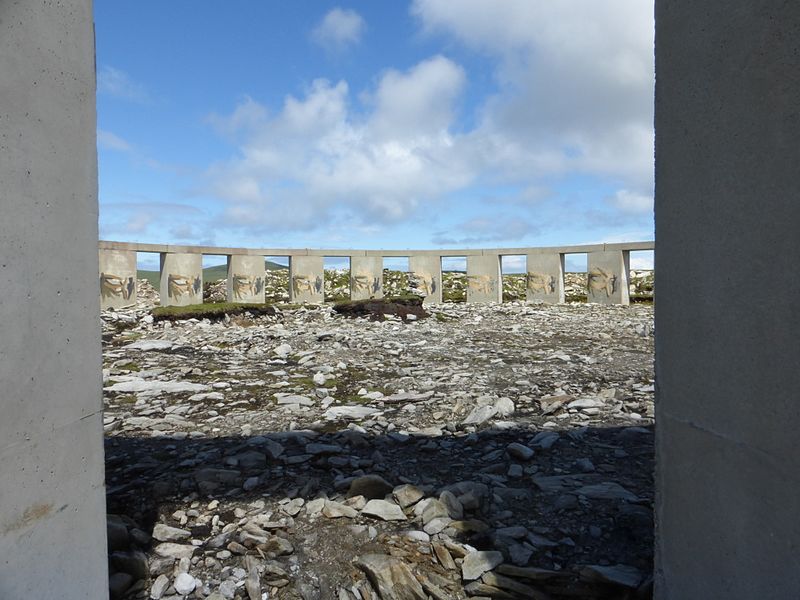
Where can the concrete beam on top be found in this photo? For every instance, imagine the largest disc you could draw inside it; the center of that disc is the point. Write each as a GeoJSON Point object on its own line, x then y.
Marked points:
{"type": "Point", "coordinates": [440, 253]}
{"type": "Point", "coordinates": [212, 250]}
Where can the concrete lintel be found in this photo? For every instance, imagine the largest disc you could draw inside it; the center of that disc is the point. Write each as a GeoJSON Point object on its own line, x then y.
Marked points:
{"type": "Point", "coordinates": [335, 253]}
{"type": "Point", "coordinates": [573, 249]}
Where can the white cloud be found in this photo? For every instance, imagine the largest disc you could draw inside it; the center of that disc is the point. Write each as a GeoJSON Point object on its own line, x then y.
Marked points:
{"type": "Point", "coordinates": [575, 83]}
{"type": "Point", "coordinates": [339, 29]}
{"type": "Point", "coordinates": [110, 141]}
{"type": "Point", "coordinates": [641, 260]}
{"type": "Point", "coordinates": [115, 82]}
{"type": "Point", "coordinates": [573, 96]}
{"type": "Point", "coordinates": [480, 230]}
{"type": "Point", "coordinates": [630, 202]}
{"type": "Point", "coordinates": [318, 152]}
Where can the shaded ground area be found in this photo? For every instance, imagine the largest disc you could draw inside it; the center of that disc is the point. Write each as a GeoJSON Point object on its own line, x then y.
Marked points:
{"type": "Point", "coordinates": [500, 451]}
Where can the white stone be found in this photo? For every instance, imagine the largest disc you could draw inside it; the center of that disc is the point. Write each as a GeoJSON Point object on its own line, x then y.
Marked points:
{"type": "Point", "coordinates": [184, 584]}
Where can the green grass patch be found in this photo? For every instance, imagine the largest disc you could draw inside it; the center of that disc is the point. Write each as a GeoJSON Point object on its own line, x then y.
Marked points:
{"type": "Point", "coordinates": [131, 366]}
{"type": "Point", "coordinates": [213, 311]}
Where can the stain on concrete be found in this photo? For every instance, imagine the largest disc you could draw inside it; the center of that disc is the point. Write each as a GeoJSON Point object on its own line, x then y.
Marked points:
{"type": "Point", "coordinates": [33, 513]}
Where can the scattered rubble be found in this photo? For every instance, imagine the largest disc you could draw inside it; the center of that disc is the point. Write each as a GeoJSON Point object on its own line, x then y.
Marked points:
{"type": "Point", "coordinates": [488, 451]}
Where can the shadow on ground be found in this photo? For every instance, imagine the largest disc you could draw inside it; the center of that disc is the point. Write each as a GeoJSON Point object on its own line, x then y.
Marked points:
{"type": "Point", "coordinates": [579, 509]}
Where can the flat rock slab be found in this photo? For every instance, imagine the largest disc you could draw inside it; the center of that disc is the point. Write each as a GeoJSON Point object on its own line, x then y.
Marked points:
{"type": "Point", "coordinates": [135, 386]}
{"type": "Point", "coordinates": [383, 509]}
{"type": "Point", "coordinates": [477, 563]}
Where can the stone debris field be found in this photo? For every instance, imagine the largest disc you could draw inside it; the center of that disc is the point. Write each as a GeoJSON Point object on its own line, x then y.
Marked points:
{"type": "Point", "coordinates": [483, 451]}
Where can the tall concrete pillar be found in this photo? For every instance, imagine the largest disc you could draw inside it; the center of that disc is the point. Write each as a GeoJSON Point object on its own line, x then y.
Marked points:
{"type": "Point", "coordinates": [117, 278]}
{"type": "Point", "coordinates": [52, 497]}
{"type": "Point", "coordinates": [727, 361]}
{"type": "Point", "coordinates": [246, 279]}
{"type": "Point", "coordinates": [484, 283]}
{"type": "Point", "coordinates": [366, 277]}
{"type": "Point", "coordinates": [545, 278]}
{"type": "Point", "coordinates": [307, 279]}
{"type": "Point", "coordinates": [425, 276]}
{"type": "Point", "coordinates": [181, 279]}
{"type": "Point", "coordinates": [607, 277]}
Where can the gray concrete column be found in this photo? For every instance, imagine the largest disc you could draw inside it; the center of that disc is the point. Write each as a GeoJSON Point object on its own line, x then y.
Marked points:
{"type": "Point", "coordinates": [117, 278]}
{"type": "Point", "coordinates": [484, 283]}
{"type": "Point", "coordinates": [545, 278]}
{"type": "Point", "coordinates": [246, 279]}
{"type": "Point", "coordinates": [727, 318]}
{"type": "Point", "coordinates": [366, 277]}
{"type": "Point", "coordinates": [307, 279]}
{"type": "Point", "coordinates": [52, 498]}
{"type": "Point", "coordinates": [607, 277]}
{"type": "Point", "coordinates": [425, 277]}
{"type": "Point", "coordinates": [181, 279]}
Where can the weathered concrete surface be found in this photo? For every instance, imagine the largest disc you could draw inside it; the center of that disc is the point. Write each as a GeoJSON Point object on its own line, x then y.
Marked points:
{"type": "Point", "coordinates": [607, 277]}
{"type": "Point", "coordinates": [545, 278]}
{"type": "Point", "coordinates": [52, 500]}
{"type": "Point", "coordinates": [306, 279]}
{"type": "Point", "coordinates": [117, 278]}
{"type": "Point", "coordinates": [484, 283]}
{"type": "Point", "coordinates": [366, 277]}
{"type": "Point", "coordinates": [246, 279]}
{"type": "Point", "coordinates": [181, 279]}
{"type": "Point", "coordinates": [728, 372]}
{"type": "Point", "coordinates": [425, 275]}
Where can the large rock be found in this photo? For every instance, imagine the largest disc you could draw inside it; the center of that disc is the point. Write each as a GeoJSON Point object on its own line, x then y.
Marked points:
{"type": "Point", "coordinates": [165, 533]}
{"type": "Point", "coordinates": [477, 563]}
{"type": "Point", "coordinates": [369, 486]}
{"type": "Point", "coordinates": [383, 509]}
{"type": "Point", "coordinates": [390, 577]}
{"type": "Point", "coordinates": [171, 550]}
{"type": "Point", "coordinates": [356, 412]}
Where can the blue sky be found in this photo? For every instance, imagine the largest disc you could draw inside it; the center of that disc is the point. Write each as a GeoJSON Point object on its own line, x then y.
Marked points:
{"type": "Point", "coordinates": [422, 124]}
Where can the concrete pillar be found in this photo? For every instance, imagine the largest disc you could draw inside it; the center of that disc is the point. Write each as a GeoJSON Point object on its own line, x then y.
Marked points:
{"type": "Point", "coordinates": [545, 278]}
{"type": "Point", "coordinates": [117, 278]}
{"type": "Point", "coordinates": [484, 283]}
{"type": "Point", "coordinates": [727, 360]}
{"type": "Point", "coordinates": [307, 279]}
{"type": "Point", "coordinates": [181, 279]}
{"type": "Point", "coordinates": [246, 279]}
{"type": "Point", "coordinates": [607, 277]}
{"type": "Point", "coordinates": [366, 277]}
{"type": "Point", "coordinates": [52, 498]}
{"type": "Point", "coordinates": [425, 276]}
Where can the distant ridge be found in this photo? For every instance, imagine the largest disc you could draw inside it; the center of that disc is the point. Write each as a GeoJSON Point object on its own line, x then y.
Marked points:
{"type": "Point", "coordinates": [214, 273]}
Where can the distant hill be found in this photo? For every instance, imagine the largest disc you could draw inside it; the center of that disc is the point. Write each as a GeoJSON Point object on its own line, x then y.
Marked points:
{"type": "Point", "coordinates": [209, 274]}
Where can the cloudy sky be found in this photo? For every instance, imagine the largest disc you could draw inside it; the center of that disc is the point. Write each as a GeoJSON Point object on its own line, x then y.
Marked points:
{"type": "Point", "coordinates": [430, 123]}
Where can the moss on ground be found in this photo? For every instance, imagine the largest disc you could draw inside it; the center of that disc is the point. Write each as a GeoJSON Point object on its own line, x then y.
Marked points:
{"type": "Point", "coordinates": [215, 310]}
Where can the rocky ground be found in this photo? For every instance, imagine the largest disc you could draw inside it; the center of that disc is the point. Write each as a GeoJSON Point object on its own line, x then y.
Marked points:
{"type": "Point", "coordinates": [497, 451]}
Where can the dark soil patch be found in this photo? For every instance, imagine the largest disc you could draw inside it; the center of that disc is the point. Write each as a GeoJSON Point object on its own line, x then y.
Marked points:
{"type": "Point", "coordinates": [377, 309]}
